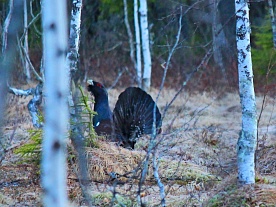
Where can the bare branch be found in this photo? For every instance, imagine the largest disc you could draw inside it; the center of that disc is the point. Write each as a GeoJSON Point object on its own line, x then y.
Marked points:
{"type": "Point", "coordinates": [188, 78]}
{"type": "Point", "coordinates": [34, 102]}
{"type": "Point", "coordinates": [118, 78]}
{"type": "Point", "coordinates": [155, 163]}
{"type": "Point", "coordinates": [171, 52]}
{"type": "Point", "coordinates": [21, 92]}
{"type": "Point", "coordinates": [23, 49]}
{"type": "Point", "coordinates": [33, 106]}
{"type": "Point", "coordinates": [34, 17]}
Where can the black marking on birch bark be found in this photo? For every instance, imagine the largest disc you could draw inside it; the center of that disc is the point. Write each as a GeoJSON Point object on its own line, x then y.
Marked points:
{"type": "Point", "coordinates": [53, 26]}
{"type": "Point", "coordinates": [248, 47]}
{"type": "Point", "coordinates": [241, 56]}
{"type": "Point", "coordinates": [59, 94]}
{"type": "Point", "coordinates": [76, 7]}
{"type": "Point", "coordinates": [56, 145]}
{"type": "Point", "coordinates": [241, 31]}
{"type": "Point", "coordinates": [61, 52]}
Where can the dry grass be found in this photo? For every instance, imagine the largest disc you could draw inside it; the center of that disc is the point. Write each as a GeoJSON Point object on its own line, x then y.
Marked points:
{"type": "Point", "coordinates": [197, 150]}
{"type": "Point", "coordinates": [126, 165]}
{"type": "Point", "coordinates": [230, 195]}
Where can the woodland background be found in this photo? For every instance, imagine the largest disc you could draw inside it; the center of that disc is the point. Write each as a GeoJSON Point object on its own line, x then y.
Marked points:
{"type": "Point", "coordinates": [104, 46]}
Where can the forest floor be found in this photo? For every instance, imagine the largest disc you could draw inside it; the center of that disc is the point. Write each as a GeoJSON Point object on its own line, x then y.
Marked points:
{"type": "Point", "coordinates": [197, 157]}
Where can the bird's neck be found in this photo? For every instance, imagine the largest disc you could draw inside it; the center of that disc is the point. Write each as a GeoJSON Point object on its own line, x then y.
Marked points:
{"type": "Point", "coordinates": [102, 108]}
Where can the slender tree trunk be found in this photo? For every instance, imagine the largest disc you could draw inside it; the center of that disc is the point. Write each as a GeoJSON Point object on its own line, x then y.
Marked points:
{"type": "Point", "coordinates": [246, 145]}
{"type": "Point", "coordinates": [145, 45]}
{"type": "Point", "coordinates": [56, 107]}
{"type": "Point", "coordinates": [26, 45]}
{"type": "Point", "coordinates": [129, 33]}
{"type": "Point", "coordinates": [72, 59]}
{"type": "Point", "coordinates": [11, 28]}
{"type": "Point", "coordinates": [218, 38]}
{"type": "Point", "coordinates": [273, 22]}
{"type": "Point", "coordinates": [74, 38]}
{"type": "Point", "coordinates": [6, 27]}
{"type": "Point", "coordinates": [138, 45]}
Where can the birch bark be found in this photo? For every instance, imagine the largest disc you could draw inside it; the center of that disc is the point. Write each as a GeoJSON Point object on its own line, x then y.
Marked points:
{"type": "Point", "coordinates": [56, 107]}
{"type": "Point", "coordinates": [145, 45]}
{"type": "Point", "coordinates": [76, 134]}
{"type": "Point", "coordinates": [246, 145]}
{"type": "Point", "coordinates": [138, 45]}
{"type": "Point", "coordinates": [74, 37]}
{"type": "Point", "coordinates": [26, 45]}
{"type": "Point", "coordinates": [273, 22]}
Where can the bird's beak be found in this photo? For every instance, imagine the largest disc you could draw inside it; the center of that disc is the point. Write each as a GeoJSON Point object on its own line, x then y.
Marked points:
{"type": "Point", "coordinates": [90, 82]}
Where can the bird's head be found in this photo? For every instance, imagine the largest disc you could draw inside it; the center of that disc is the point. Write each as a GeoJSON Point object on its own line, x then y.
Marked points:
{"type": "Point", "coordinates": [96, 88]}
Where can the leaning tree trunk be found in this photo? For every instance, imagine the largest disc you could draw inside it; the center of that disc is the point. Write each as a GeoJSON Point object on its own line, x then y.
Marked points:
{"type": "Point", "coordinates": [56, 108]}
{"type": "Point", "coordinates": [246, 145]}
{"type": "Point", "coordinates": [145, 45]}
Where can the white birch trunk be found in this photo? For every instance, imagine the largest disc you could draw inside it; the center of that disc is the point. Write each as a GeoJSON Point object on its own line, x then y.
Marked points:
{"type": "Point", "coordinates": [273, 22]}
{"type": "Point", "coordinates": [76, 134]}
{"type": "Point", "coordinates": [145, 45]}
{"type": "Point", "coordinates": [246, 145]}
{"type": "Point", "coordinates": [26, 45]}
{"type": "Point", "coordinates": [74, 39]}
{"type": "Point", "coordinates": [56, 108]}
{"type": "Point", "coordinates": [138, 45]}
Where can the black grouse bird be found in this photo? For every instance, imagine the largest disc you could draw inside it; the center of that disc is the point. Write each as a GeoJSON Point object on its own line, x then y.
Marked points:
{"type": "Point", "coordinates": [132, 116]}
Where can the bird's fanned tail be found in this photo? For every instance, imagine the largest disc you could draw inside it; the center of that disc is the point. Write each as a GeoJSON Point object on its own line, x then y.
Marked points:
{"type": "Point", "coordinates": [133, 115]}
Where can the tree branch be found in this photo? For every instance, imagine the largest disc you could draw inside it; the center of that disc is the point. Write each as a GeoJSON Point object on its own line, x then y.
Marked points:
{"type": "Point", "coordinates": [33, 104]}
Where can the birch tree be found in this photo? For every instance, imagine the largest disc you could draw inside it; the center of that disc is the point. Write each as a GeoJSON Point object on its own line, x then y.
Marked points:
{"type": "Point", "coordinates": [72, 59]}
{"type": "Point", "coordinates": [145, 45]}
{"type": "Point", "coordinates": [129, 33]}
{"type": "Point", "coordinates": [26, 45]}
{"type": "Point", "coordinates": [273, 22]}
{"type": "Point", "coordinates": [138, 44]}
{"type": "Point", "coordinates": [246, 145]}
{"type": "Point", "coordinates": [56, 108]}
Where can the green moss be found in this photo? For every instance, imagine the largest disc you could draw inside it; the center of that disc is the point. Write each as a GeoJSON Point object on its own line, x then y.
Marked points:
{"type": "Point", "coordinates": [184, 173]}
{"type": "Point", "coordinates": [106, 198]}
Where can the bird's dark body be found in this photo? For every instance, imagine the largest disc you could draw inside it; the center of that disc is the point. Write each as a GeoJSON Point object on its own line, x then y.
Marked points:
{"type": "Point", "coordinates": [132, 116]}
